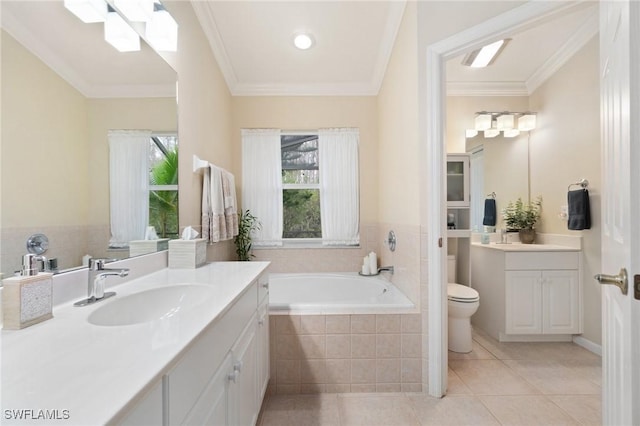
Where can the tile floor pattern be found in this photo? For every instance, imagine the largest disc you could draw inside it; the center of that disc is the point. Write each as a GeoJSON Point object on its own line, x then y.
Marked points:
{"type": "Point", "coordinates": [496, 384]}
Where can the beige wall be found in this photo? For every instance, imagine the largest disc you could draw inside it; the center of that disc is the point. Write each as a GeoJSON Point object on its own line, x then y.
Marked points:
{"type": "Point", "coordinates": [308, 113]}
{"type": "Point", "coordinates": [398, 186]}
{"type": "Point", "coordinates": [44, 149]}
{"type": "Point", "coordinates": [204, 118]}
{"type": "Point", "coordinates": [565, 147]}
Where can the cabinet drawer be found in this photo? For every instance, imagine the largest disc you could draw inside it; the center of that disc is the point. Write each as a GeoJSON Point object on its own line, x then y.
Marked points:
{"type": "Point", "coordinates": [189, 377]}
{"type": "Point", "coordinates": [542, 260]}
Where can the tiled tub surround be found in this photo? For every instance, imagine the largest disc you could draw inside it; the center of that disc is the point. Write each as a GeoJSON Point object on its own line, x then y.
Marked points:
{"type": "Point", "coordinates": [345, 353]}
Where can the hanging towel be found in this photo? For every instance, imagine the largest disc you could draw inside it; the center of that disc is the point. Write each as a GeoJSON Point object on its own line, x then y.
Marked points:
{"type": "Point", "coordinates": [213, 219]}
{"type": "Point", "coordinates": [579, 210]}
{"type": "Point", "coordinates": [230, 209]}
{"type": "Point", "coordinates": [489, 212]}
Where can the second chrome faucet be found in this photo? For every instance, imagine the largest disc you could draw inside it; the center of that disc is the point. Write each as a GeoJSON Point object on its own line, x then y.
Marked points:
{"type": "Point", "coordinates": [96, 278]}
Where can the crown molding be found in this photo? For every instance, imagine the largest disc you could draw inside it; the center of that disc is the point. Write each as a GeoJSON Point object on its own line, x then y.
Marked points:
{"type": "Point", "coordinates": [486, 88]}
{"type": "Point", "coordinates": [389, 35]}
{"type": "Point", "coordinates": [236, 88]}
{"type": "Point", "coordinates": [573, 45]}
{"type": "Point", "coordinates": [337, 89]}
{"type": "Point", "coordinates": [208, 24]}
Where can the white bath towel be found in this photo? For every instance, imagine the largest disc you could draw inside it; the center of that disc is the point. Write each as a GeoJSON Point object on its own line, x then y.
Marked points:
{"type": "Point", "coordinates": [219, 205]}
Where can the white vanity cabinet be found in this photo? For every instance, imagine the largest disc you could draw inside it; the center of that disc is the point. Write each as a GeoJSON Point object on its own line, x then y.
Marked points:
{"type": "Point", "coordinates": [527, 295]}
{"type": "Point", "coordinates": [219, 379]}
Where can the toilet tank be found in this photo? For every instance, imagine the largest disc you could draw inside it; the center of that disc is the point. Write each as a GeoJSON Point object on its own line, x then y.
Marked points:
{"type": "Point", "coordinates": [451, 268]}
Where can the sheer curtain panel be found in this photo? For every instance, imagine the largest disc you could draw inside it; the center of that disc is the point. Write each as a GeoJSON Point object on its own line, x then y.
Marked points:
{"type": "Point", "coordinates": [129, 185]}
{"type": "Point", "coordinates": [339, 202]}
{"type": "Point", "coordinates": [262, 183]}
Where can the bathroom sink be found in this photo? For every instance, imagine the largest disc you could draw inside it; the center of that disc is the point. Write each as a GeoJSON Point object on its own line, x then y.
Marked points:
{"type": "Point", "coordinates": [151, 305]}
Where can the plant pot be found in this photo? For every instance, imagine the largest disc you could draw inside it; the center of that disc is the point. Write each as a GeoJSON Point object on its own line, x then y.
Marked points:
{"type": "Point", "coordinates": [527, 236]}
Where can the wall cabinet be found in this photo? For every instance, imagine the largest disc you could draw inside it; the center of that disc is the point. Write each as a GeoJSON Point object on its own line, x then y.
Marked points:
{"type": "Point", "coordinates": [527, 295]}
{"type": "Point", "coordinates": [457, 180]}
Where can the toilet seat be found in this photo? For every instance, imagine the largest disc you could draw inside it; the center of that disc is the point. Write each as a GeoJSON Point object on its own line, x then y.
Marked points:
{"type": "Point", "coordinates": [461, 293]}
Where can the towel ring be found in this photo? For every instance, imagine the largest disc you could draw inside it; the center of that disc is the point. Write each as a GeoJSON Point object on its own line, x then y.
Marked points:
{"type": "Point", "coordinates": [583, 184]}
{"type": "Point", "coordinates": [492, 195]}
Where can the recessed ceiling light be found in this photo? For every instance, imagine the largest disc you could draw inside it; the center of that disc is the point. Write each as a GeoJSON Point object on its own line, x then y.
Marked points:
{"type": "Point", "coordinates": [303, 41]}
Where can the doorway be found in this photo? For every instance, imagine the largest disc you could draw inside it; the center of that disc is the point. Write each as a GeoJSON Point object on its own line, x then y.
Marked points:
{"type": "Point", "coordinates": [437, 54]}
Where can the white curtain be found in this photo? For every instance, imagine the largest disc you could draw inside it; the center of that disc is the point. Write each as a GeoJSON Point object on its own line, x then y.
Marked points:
{"type": "Point", "coordinates": [129, 185]}
{"type": "Point", "coordinates": [339, 202]}
{"type": "Point", "coordinates": [262, 183]}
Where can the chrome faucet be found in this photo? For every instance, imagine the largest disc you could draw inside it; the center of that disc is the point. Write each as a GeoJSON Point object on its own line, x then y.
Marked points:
{"type": "Point", "coordinates": [97, 276]}
{"type": "Point", "coordinates": [386, 268]}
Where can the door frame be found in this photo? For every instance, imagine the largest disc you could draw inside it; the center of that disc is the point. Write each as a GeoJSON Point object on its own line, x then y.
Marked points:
{"type": "Point", "coordinates": [434, 192]}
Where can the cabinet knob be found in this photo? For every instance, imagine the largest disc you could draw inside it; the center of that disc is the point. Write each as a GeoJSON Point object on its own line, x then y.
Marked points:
{"type": "Point", "coordinates": [261, 322]}
{"type": "Point", "coordinates": [233, 376]}
{"type": "Point", "coordinates": [237, 367]}
{"type": "Point", "coordinates": [265, 285]}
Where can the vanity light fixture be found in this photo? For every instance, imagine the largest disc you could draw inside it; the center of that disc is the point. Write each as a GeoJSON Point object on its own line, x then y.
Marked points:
{"type": "Point", "coordinates": [491, 133]}
{"type": "Point", "coordinates": [492, 123]}
{"type": "Point", "coordinates": [162, 31]}
{"type": "Point", "coordinates": [119, 34]}
{"type": "Point", "coordinates": [303, 41]}
{"type": "Point", "coordinates": [527, 122]}
{"type": "Point", "coordinates": [136, 10]}
{"type": "Point", "coordinates": [511, 133]}
{"type": "Point", "coordinates": [486, 55]}
{"type": "Point", "coordinates": [483, 121]}
{"type": "Point", "coordinates": [471, 133]}
{"type": "Point", "coordinates": [88, 11]}
{"type": "Point", "coordinates": [505, 122]}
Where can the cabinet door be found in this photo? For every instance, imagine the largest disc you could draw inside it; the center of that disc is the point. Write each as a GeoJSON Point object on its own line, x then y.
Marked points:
{"type": "Point", "coordinates": [148, 411]}
{"type": "Point", "coordinates": [523, 296]}
{"type": "Point", "coordinates": [243, 405]}
{"type": "Point", "coordinates": [263, 351]}
{"type": "Point", "coordinates": [458, 180]}
{"type": "Point", "coordinates": [560, 302]}
{"type": "Point", "coordinates": [212, 406]}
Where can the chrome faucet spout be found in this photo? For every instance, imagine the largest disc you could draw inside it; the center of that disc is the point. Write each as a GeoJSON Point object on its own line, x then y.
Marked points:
{"type": "Point", "coordinates": [97, 276]}
{"type": "Point", "coordinates": [386, 268]}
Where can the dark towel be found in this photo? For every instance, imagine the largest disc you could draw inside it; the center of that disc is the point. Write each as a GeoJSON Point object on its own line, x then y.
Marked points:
{"type": "Point", "coordinates": [489, 212]}
{"type": "Point", "coordinates": [579, 210]}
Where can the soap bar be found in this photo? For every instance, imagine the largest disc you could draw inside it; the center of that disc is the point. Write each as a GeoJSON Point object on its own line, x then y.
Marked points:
{"type": "Point", "coordinates": [26, 300]}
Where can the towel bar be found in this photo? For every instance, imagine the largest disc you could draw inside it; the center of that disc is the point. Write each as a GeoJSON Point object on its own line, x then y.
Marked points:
{"type": "Point", "coordinates": [198, 163]}
{"type": "Point", "coordinates": [583, 184]}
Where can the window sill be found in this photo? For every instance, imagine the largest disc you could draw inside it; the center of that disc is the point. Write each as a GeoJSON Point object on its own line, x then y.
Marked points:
{"type": "Point", "coordinates": [304, 244]}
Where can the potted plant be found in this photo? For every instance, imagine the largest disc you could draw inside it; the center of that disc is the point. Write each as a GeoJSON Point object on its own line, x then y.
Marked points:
{"type": "Point", "coordinates": [247, 223]}
{"type": "Point", "coordinates": [522, 217]}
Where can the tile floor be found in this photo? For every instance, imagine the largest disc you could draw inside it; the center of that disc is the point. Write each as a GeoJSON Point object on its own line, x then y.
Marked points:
{"type": "Point", "coordinates": [495, 384]}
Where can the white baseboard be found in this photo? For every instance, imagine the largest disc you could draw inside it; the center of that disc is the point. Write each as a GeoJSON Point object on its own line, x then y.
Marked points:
{"type": "Point", "coordinates": [588, 345]}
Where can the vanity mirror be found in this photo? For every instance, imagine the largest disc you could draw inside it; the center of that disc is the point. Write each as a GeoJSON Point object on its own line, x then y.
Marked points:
{"type": "Point", "coordinates": [63, 88]}
{"type": "Point", "coordinates": [501, 164]}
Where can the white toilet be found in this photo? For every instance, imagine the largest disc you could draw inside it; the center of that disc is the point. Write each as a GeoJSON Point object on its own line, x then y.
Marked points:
{"type": "Point", "coordinates": [463, 302]}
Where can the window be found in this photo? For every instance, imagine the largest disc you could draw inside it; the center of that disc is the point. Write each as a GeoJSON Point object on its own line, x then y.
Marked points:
{"type": "Point", "coordinates": [163, 184]}
{"type": "Point", "coordinates": [300, 187]}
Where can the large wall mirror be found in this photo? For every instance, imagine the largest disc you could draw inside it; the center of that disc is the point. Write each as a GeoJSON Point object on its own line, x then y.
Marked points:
{"type": "Point", "coordinates": [63, 89]}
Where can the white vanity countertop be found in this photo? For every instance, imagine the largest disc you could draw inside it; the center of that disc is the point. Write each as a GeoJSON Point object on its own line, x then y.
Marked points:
{"type": "Point", "coordinates": [519, 247]}
{"type": "Point", "coordinates": [92, 371]}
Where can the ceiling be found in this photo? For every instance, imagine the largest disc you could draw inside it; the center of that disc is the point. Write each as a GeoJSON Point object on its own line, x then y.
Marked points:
{"type": "Point", "coordinates": [252, 42]}
{"type": "Point", "coordinates": [80, 55]}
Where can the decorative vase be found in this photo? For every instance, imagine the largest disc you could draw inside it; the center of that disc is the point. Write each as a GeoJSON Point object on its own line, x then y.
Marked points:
{"type": "Point", "coordinates": [527, 236]}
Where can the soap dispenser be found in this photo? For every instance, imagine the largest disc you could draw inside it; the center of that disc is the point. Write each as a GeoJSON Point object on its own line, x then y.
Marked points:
{"type": "Point", "coordinates": [27, 299]}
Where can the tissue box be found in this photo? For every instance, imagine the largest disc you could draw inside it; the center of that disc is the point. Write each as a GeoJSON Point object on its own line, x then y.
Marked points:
{"type": "Point", "coordinates": [187, 254]}
{"type": "Point", "coordinates": [138, 247]}
{"type": "Point", "coordinates": [26, 300]}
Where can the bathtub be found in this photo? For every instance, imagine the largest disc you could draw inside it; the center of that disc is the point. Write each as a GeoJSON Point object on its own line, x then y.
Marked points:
{"type": "Point", "coordinates": [334, 293]}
